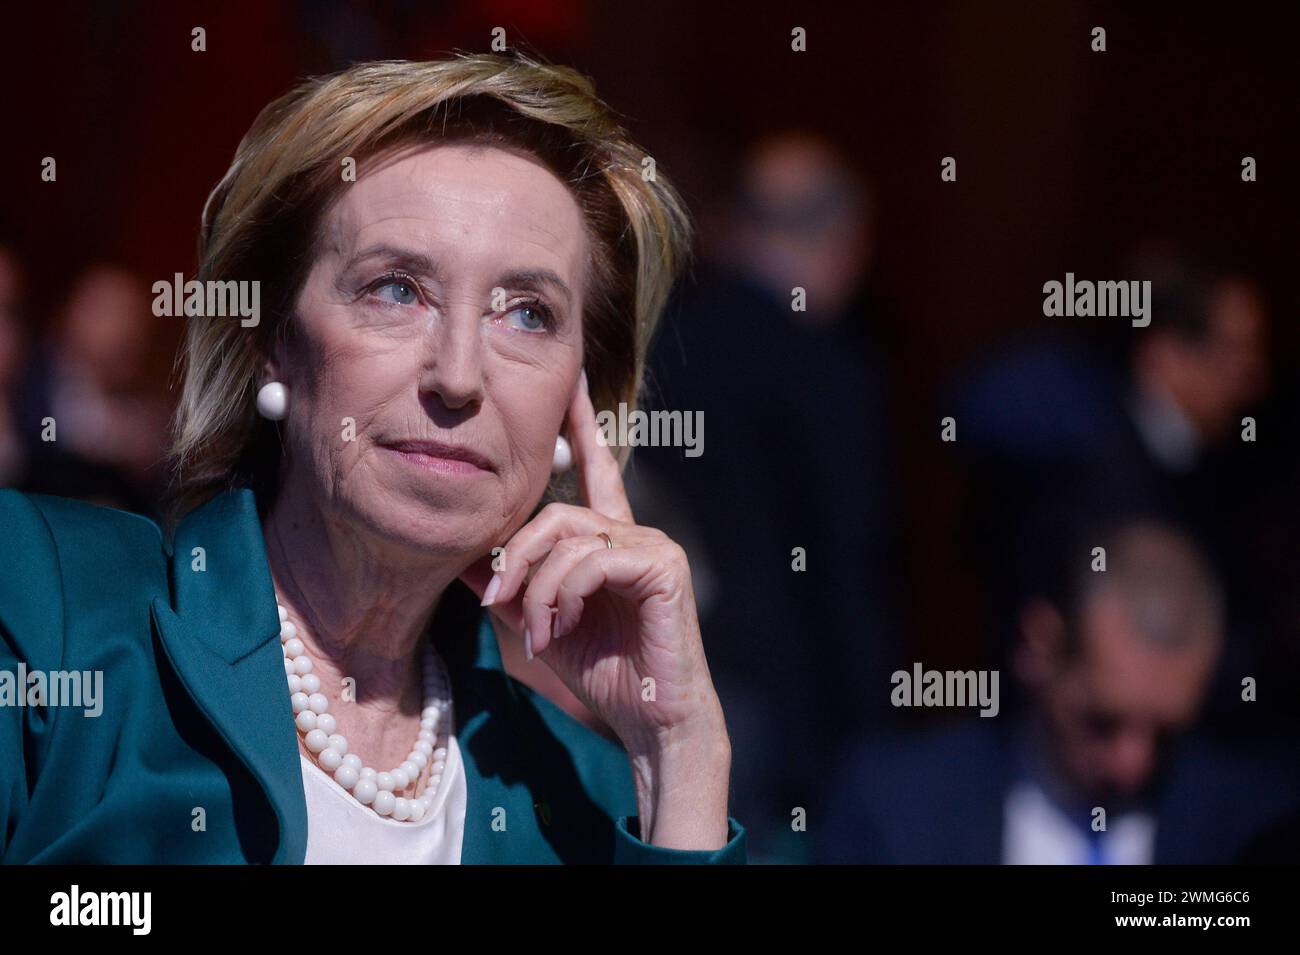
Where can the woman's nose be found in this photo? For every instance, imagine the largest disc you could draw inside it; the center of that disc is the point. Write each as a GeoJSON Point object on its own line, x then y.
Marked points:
{"type": "Point", "coordinates": [452, 361]}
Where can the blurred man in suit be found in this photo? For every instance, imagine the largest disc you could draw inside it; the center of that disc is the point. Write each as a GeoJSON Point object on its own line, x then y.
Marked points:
{"type": "Point", "coordinates": [1103, 768]}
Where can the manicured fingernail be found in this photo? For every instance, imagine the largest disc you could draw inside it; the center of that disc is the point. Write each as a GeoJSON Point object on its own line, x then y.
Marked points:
{"type": "Point", "coordinates": [528, 643]}
{"type": "Point", "coordinates": [584, 381]}
{"type": "Point", "coordinates": [556, 632]}
{"type": "Point", "coordinates": [493, 588]}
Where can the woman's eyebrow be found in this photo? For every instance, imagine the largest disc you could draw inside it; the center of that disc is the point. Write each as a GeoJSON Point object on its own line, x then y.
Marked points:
{"type": "Point", "coordinates": [537, 279]}
{"type": "Point", "coordinates": [408, 259]}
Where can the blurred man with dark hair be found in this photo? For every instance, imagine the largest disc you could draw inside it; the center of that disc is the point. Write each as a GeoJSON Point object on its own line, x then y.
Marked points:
{"type": "Point", "coordinates": [1103, 768]}
{"type": "Point", "coordinates": [1208, 353]}
{"type": "Point", "coordinates": [1198, 368]}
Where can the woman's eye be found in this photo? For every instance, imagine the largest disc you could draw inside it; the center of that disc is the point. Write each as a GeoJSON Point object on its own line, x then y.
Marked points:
{"type": "Point", "coordinates": [398, 291]}
{"type": "Point", "coordinates": [531, 317]}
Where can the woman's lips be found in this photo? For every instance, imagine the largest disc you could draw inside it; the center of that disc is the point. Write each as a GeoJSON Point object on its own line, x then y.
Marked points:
{"type": "Point", "coordinates": [440, 458]}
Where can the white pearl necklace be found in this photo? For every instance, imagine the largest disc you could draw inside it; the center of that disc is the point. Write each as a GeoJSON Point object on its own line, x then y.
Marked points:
{"type": "Point", "coordinates": [376, 790]}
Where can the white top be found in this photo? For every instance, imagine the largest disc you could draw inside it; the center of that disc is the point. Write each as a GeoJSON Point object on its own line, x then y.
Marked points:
{"type": "Point", "coordinates": [1169, 434]}
{"type": "Point", "coordinates": [341, 831]}
{"type": "Point", "coordinates": [1036, 832]}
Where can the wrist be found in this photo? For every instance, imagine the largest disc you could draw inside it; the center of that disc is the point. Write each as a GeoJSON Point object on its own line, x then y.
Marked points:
{"type": "Point", "coordinates": [682, 790]}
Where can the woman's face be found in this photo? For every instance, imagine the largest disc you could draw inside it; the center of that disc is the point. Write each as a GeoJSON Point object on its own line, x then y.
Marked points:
{"type": "Point", "coordinates": [440, 343]}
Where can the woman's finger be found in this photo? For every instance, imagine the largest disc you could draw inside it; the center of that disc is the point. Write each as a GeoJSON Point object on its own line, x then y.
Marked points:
{"type": "Point", "coordinates": [540, 600]}
{"type": "Point", "coordinates": [478, 577]}
{"type": "Point", "coordinates": [556, 521]}
{"type": "Point", "coordinates": [599, 478]}
{"type": "Point", "coordinates": [532, 542]}
{"type": "Point", "coordinates": [634, 573]}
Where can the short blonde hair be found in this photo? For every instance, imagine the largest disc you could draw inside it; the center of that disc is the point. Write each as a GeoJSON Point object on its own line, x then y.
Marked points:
{"type": "Point", "coordinates": [262, 220]}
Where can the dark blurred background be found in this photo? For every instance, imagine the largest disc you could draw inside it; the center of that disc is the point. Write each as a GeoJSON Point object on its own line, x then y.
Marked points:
{"type": "Point", "coordinates": [819, 169]}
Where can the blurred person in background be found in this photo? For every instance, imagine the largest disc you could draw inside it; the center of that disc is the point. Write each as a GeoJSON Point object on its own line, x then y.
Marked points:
{"type": "Point", "coordinates": [1188, 452]}
{"type": "Point", "coordinates": [797, 455]}
{"type": "Point", "coordinates": [1116, 666]}
{"type": "Point", "coordinates": [108, 432]}
{"type": "Point", "coordinates": [1053, 422]}
{"type": "Point", "coordinates": [1193, 374]}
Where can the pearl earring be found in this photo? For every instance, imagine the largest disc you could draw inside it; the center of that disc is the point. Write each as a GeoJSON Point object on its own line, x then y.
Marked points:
{"type": "Point", "coordinates": [273, 401]}
{"type": "Point", "coordinates": [563, 459]}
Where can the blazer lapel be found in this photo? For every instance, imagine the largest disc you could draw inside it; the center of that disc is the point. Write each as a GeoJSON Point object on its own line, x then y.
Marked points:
{"type": "Point", "coordinates": [501, 818]}
{"type": "Point", "coordinates": [220, 633]}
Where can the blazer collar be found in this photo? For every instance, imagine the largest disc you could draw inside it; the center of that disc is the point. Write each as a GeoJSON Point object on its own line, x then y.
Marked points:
{"type": "Point", "coordinates": [493, 720]}
{"type": "Point", "coordinates": [220, 576]}
{"type": "Point", "coordinates": [219, 629]}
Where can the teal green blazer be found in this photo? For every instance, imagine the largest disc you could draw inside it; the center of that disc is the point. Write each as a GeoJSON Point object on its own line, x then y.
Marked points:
{"type": "Point", "coordinates": [194, 756]}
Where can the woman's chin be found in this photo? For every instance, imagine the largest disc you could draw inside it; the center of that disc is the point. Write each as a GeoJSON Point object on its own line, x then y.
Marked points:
{"type": "Point", "coordinates": [451, 529]}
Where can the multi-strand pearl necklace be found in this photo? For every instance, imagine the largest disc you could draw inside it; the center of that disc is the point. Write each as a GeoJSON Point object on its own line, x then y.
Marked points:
{"type": "Point", "coordinates": [376, 790]}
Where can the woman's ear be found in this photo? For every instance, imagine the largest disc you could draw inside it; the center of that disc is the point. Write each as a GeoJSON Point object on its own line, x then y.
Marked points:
{"type": "Point", "coordinates": [273, 366]}
{"type": "Point", "coordinates": [272, 391]}
{"type": "Point", "coordinates": [563, 459]}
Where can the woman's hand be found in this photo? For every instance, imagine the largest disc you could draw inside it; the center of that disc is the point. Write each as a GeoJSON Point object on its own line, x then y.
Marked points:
{"type": "Point", "coordinates": [619, 628]}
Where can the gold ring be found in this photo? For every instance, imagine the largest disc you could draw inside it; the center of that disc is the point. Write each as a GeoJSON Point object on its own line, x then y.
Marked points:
{"type": "Point", "coordinates": [609, 543]}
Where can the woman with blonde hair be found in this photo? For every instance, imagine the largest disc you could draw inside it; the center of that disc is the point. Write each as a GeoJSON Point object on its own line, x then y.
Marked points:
{"type": "Point", "coordinates": [362, 640]}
